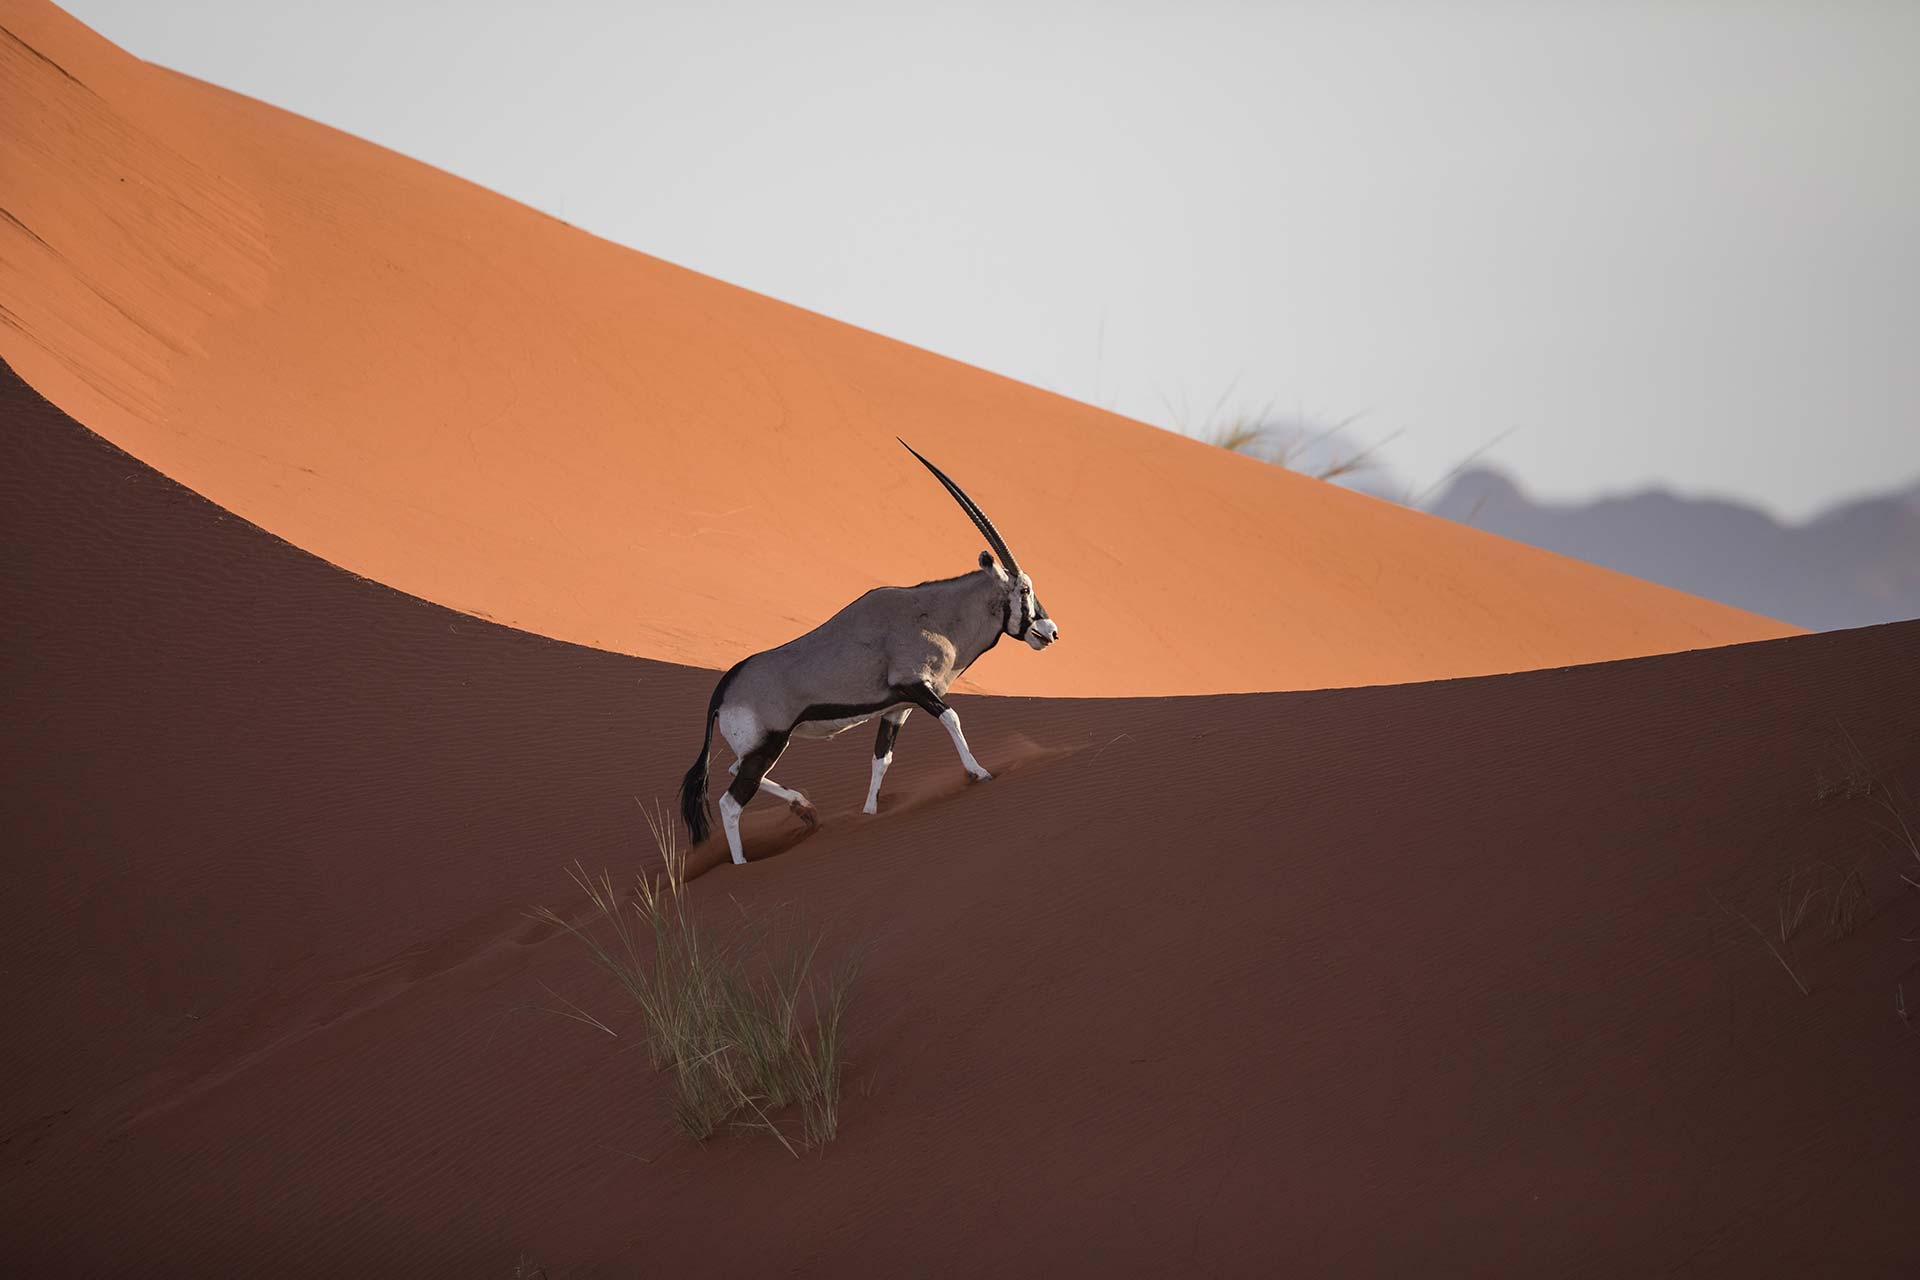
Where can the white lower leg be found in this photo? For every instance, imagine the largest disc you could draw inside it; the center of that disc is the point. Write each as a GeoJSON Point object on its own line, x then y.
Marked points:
{"type": "Point", "coordinates": [951, 719]}
{"type": "Point", "coordinates": [880, 764]}
{"type": "Point", "coordinates": [730, 820]}
{"type": "Point", "coordinates": [769, 787]}
{"type": "Point", "coordinates": [801, 806]}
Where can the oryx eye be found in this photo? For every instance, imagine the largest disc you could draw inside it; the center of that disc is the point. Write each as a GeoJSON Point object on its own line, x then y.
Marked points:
{"type": "Point", "coordinates": [1026, 590]}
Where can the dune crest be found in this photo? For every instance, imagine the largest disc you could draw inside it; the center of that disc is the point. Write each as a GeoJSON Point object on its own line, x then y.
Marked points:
{"type": "Point", "coordinates": [439, 389]}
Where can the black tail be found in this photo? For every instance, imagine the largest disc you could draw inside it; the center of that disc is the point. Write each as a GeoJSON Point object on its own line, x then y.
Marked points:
{"type": "Point", "coordinates": [693, 793]}
{"type": "Point", "coordinates": [694, 809]}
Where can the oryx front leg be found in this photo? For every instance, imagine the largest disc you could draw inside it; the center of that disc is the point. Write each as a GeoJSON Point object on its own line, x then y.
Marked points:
{"type": "Point", "coordinates": [883, 753]}
{"type": "Point", "coordinates": [933, 704]}
{"type": "Point", "coordinates": [951, 719]}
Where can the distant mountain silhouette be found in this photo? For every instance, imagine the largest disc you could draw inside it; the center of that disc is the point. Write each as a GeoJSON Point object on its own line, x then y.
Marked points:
{"type": "Point", "coordinates": [1855, 564]}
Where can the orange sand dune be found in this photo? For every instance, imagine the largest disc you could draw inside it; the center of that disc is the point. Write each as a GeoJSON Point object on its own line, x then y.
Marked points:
{"type": "Point", "coordinates": [1442, 977]}
{"type": "Point", "coordinates": [445, 391]}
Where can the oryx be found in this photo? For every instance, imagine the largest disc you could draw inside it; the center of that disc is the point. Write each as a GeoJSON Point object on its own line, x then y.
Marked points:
{"type": "Point", "coordinates": [893, 649]}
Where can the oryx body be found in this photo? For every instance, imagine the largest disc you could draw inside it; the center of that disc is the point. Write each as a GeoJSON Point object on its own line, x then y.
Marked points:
{"type": "Point", "coordinates": [893, 649]}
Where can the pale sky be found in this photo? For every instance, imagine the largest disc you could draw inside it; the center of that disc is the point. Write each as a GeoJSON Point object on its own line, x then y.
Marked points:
{"type": "Point", "coordinates": [1669, 242]}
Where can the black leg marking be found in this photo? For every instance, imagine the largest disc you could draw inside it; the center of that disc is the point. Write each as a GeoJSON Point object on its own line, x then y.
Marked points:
{"type": "Point", "coordinates": [754, 766]}
{"type": "Point", "coordinates": [883, 741]}
{"type": "Point", "coordinates": [922, 696]}
{"type": "Point", "coordinates": [842, 710]}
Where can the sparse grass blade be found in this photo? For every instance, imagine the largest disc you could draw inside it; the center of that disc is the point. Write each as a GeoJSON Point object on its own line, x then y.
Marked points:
{"type": "Point", "coordinates": [1765, 942]}
{"type": "Point", "coordinates": [1244, 435]}
{"type": "Point", "coordinates": [1795, 899]}
{"type": "Point", "coordinates": [1849, 905]}
{"type": "Point", "coordinates": [724, 1019]}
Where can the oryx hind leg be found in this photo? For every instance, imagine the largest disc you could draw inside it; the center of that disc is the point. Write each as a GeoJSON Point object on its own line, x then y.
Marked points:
{"type": "Point", "coordinates": [801, 806]}
{"type": "Point", "coordinates": [883, 753]}
{"type": "Point", "coordinates": [754, 764]}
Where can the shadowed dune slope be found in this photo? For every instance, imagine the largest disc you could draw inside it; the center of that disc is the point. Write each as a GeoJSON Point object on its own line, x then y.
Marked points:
{"type": "Point", "coordinates": [1328, 982]}
{"type": "Point", "coordinates": [439, 389]}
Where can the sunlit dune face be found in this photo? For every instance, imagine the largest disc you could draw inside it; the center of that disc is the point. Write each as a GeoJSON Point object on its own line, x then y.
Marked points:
{"type": "Point", "coordinates": [419, 381]}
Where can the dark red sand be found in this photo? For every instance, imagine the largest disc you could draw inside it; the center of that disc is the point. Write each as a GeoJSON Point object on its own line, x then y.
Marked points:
{"type": "Point", "coordinates": [1439, 978]}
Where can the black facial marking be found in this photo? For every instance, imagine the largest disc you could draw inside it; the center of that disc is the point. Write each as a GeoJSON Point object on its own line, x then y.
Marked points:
{"type": "Point", "coordinates": [1028, 616]}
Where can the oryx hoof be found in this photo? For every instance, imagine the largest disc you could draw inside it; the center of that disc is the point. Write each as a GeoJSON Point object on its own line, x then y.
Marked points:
{"type": "Point", "coordinates": [870, 807]}
{"type": "Point", "coordinates": [805, 812]}
{"type": "Point", "coordinates": [982, 776]}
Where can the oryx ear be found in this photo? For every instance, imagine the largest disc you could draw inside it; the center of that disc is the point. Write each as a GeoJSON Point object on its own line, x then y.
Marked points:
{"type": "Point", "coordinates": [986, 559]}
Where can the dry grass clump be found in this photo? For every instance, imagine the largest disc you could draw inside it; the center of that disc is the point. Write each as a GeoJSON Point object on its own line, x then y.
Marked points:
{"type": "Point", "coordinates": [1795, 901]}
{"type": "Point", "coordinates": [1844, 892]}
{"type": "Point", "coordinates": [1849, 904]}
{"type": "Point", "coordinates": [747, 1027]}
{"type": "Point", "coordinates": [1296, 446]}
{"type": "Point", "coordinates": [1764, 941]}
{"type": "Point", "coordinates": [1858, 778]}
{"type": "Point", "coordinates": [1242, 435]}
{"type": "Point", "coordinates": [1901, 837]}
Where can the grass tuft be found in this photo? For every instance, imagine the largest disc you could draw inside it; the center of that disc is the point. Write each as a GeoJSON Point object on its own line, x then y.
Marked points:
{"type": "Point", "coordinates": [746, 1028]}
{"type": "Point", "coordinates": [1795, 900]}
{"type": "Point", "coordinates": [1293, 442]}
{"type": "Point", "coordinates": [1849, 905]}
{"type": "Point", "coordinates": [1764, 941]}
{"type": "Point", "coordinates": [1899, 834]}
{"type": "Point", "coordinates": [1242, 435]}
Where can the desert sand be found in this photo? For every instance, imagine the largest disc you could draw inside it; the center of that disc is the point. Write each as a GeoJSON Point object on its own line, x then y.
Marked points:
{"type": "Point", "coordinates": [1466, 970]}
{"type": "Point", "coordinates": [439, 389]}
{"type": "Point", "coordinates": [1339, 981]}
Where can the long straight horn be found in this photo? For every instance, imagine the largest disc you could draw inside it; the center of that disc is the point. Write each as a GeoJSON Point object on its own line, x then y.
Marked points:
{"type": "Point", "coordinates": [972, 508]}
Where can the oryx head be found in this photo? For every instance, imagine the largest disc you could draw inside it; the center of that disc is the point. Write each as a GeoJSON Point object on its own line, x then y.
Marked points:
{"type": "Point", "coordinates": [1026, 618]}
